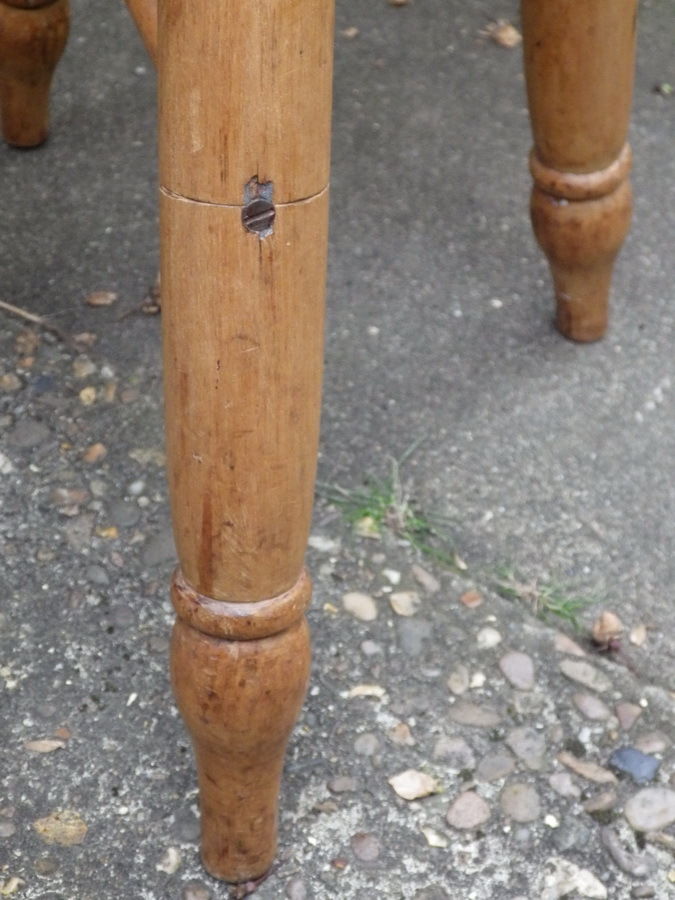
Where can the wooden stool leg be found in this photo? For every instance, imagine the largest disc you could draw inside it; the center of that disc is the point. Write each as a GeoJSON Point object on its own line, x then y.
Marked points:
{"type": "Point", "coordinates": [579, 61]}
{"type": "Point", "coordinates": [33, 35]}
{"type": "Point", "coordinates": [245, 97]}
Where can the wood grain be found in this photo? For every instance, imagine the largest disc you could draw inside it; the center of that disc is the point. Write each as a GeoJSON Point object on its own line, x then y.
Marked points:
{"type": "Point", "coordinates": [144, 14]}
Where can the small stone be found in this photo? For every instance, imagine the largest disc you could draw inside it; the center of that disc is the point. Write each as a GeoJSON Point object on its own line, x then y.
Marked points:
{"type": "Point", "coordinates": [467, 811]}
{"type": "Point", "coordinates": [124, 514]}
{"type": "Point", "coordinates": [97, 575]}
{"type": "Point", "coordinates": [550, 821]}
{"type": "Point", "coordinates": [589, 770]}
{"type": "Point", "coordinates": [63, 826]}
{"type": "Point", "coordinates": [627, 714]}
{"type": "Point", "coordinates": [400, 734]}
{"type": "Point", "coordinates": [187, 826]}
{"type": "Point", "coordinates": [350, 32]}
{"type": "Point", "coordinates": [10, 382]}
{"type": "Point", "coordinates": [370, 648]}
{"type": "Point", "coordinates": [195, 890]}
{"type": "Point", "coordinates": [465, 713]}
{"type": "Point", "coordinates": [7, 828]}
{"type": "Point", "coordinates": [393, 576]}
{"type": "Point", "coordinates": [640, 766]}
{"type": "Point", "coordinates": [606, 627]}
{"type": "Point", "coordinates": [572, 835]}
{"type": "Point", "coordinates": [651, 809]}
{"type": "Point", "coordinates": [455, 752]}
{"type": "Point", "coordinates": [591, 706]}
{"type": "Point", "coordinates": [495, 766]}
{"type": "Point", "coordinates": [83, 367]}
{"type": "Point", "coordinates": [323, 544]}
{"type": "Point", "coordinates": [88, 395]}
{"type": "Point", "coordinates": [471, 599]}
{"type": "Point", "coordinates": [562, 784]}
{"type": "Point", "coordinates": [27, 434]}
{"type": "Point", "coordinates": [412, 633]}
{"type": "Point", "coordinates": [520, 802]}
{"type": "Point", "coordinates": [567, 878]}
{"type": "Point", "coordinates": [342, 784]}
{"type": "Point", "coordinates": [160, 549]}
{"type": "Point", "coordinates": [488, 638]}
{"type": "Point", "coordinates": [367, 744]}
{"type": "Point", "coordinates": [633, 864]}
{"type": "Point", "coordinates": [529, 746]}
{"type": "Point", "coordinates": [136, 488]}
{"type": "Point", "coordinates": [366, 846]}
{"type": "Point", "coordinates": [95, 453]}
{"type": "Point", "coordinates": [653, 742]}
{"type": "Point", "coordinates": [426, 580]}
{"type": "Point", "coordinates": [518, 668]}
{"type": "Point", "coordinates": [638, 635]}
{"type": "Point", "coordinates": [602, 802]}
{"type": "Point", "coordinates": [458, 682]}
{"type": "Point", "coordinates": [46, 866]}
{"type": "Point", "coordinates": [584, 673]}
{"type": "Point", "coordinates": [296, 889]}
{"type": "Point", "coordinates": [564, 644]}
{"type": "Point", "coordinates": [170, 862]}
{"type": "Point", "coordinates": [478, 679]}
{"type": "Point", "coordinates": [405, 603]}
{"type": "Point", "coordinates": [431, 892]}
{"type": "Point", "coordinates": [6, 465]}
{"type": "Point", "coordinates": [101, 298]}
{"type": "Point", "coordinates": [411, 784]}
{"type": "Point", "coordinates": [361, 606]}
{"type": "Point", "coordinates": [643, 891]}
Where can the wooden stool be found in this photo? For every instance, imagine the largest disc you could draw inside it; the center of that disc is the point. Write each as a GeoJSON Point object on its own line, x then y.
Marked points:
{"type": "Point", "coordinates": [244, 112]}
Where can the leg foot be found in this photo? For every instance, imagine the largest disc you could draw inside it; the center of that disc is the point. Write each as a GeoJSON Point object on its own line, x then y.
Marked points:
{"type": "Point", "coordinates": [239, 699]}
{"type": "Point", "coordinates": [579, 61]}
{"type": "Point", "coordinates": [33, 35]}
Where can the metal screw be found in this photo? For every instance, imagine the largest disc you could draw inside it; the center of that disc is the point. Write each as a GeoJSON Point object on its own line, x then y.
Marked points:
{"type": "Point", "coordinates": [258, 216]}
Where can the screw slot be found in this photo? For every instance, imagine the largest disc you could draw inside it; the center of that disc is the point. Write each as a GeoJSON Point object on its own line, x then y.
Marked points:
{"type": "Point", "coordinates": [258, 216]}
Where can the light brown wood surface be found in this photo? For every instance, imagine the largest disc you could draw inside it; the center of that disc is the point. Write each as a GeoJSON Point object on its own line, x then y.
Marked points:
{"type": "Point", "coordinates": [32, 39]}
{"type": "Point", "coordinates": [244, 108]}
{"type": "Point", "coordinates": [579, 63]}
{"type": "Point", "coordinates": [144, 14]}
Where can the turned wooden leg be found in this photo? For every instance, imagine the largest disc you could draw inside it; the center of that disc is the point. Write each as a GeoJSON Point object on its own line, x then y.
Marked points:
{"type": "Point", "coordinates": [33, 35]}
{"type": "Point", "coordinates": [144, 14]}
{"type": "Point", "coordinates": [579, 61]}
{"type": "Point", "coordinates": [244, 97]}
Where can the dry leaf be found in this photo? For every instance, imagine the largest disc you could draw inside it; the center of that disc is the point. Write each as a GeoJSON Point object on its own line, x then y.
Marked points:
{"type": "Point", "coordinates": [412, 784]}
{"type": "Point", "coordinates": [471, 599]}
{"type": "Point", "coordinates": [63, 826]}
{"type": "Point", "coordinates": [365, 690]}
{"type": "Point", "coordinates": [45, 746]}
{"type": "Point", "coordinates": [638, 635]}
{"type": "Point", "coordinates": [101, 298]}
{"type": "Point", "coordinates": [405, 603]}
{"type": "Point", "coordinates": [434, 839]}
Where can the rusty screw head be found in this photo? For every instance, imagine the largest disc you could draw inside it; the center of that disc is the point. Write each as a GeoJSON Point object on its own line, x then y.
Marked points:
{"type": "Point", "coordinates": [258, 216]}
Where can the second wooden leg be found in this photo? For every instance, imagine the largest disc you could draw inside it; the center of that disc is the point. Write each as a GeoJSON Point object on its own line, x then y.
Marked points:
{"type": "Point", "coordinates": [579, 61]}
{"type": "Point", "coordinates": [33, 35]}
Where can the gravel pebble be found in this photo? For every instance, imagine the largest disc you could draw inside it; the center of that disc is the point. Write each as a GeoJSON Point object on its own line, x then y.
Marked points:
{"type": "Point", "coordinates": [627, 714]}
{"type": "Point", "coordinates": [296, 889]}
{"type": "Point", "coordinates": [632, 863]}
{"type": "Point", "coordinates": [365, 846]}
{"type": "Point", "coordinates": [195, 890]}
{"type": "Point", "coordinates": [584, 673]}
{"type": "Point", "coordinates": [651, 809]}
{"type": "Point", "coordinates": [495, 766]}
{"type": "Point", "coordinates": [562, 784]}
{"type": "Point", "coordinates": [487, 638]}
{"type": "Point", "coordinates": [601, 802]}
{"type": "Point", "coordinates": [587, 768]}
{"type": "Point", "coordinates": [27, 434]}
{"type": "Point", "coordinates": [591, 706]}
{"type": "Point", "coordinates": [640, 766]}
{"type": "Point", "coordinates": [458, 681]}
{"type": "Point", "coordinates": [343, 783]}
{"type": "Point", "coordinates": [426, 580]}
{"type": "Point", "coordinates": [518, 668]}
{"type": "Point", "coordinates": [367, 744]}
{"type": "Point", "coordinates": [468, 810]}
{"type": "Point", "coordinates": [653, 742]}
{"type": "Point", "coordinates": [520, 802]}
{"type": "Point", "coordinates": [529, 746]}
{"type": "Point", "coordinates": [455, 752]}
{"type": "Point", "coordinates": [7, 828]}
{"type": "Point", "coordinates": [465, 713]}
